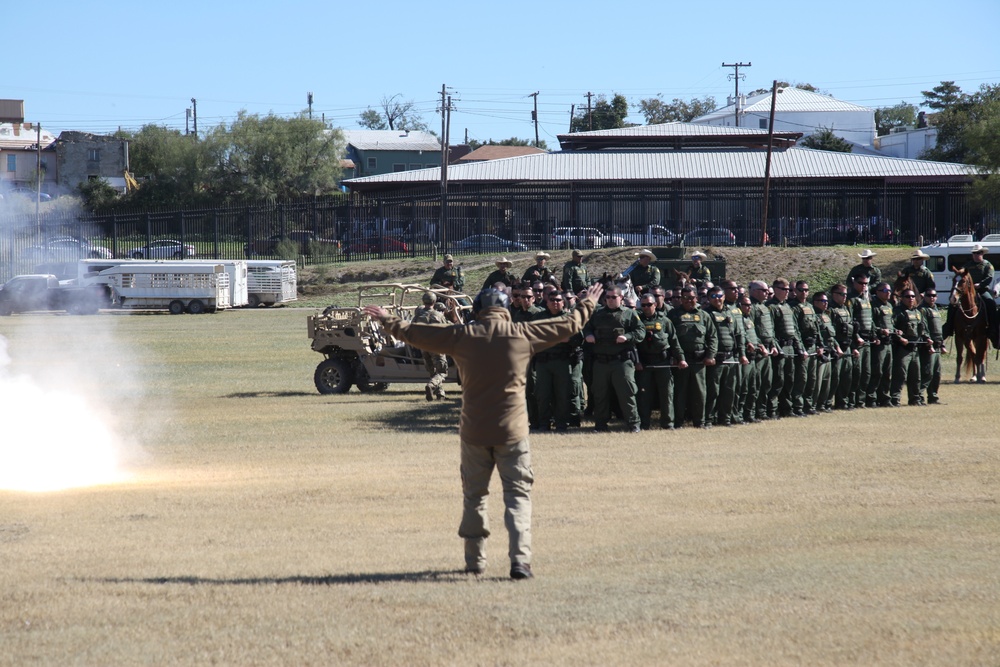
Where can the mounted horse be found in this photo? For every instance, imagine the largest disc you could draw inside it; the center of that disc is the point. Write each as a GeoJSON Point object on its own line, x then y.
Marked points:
{"type": "Point", "coordinates": [902, 284]}
{"type": "Point", "coordinates": [624, 283]}
{"type": "Point", "coordinates": [970, 327]}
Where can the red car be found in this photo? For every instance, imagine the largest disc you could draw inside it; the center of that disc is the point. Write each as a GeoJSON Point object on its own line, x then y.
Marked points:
{"type": "Point", "coordinates": [377, 244]}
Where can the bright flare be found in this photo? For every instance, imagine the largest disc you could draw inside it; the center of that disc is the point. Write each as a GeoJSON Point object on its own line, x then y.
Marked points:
{"type": "Point", "coordinates": [52, 440]}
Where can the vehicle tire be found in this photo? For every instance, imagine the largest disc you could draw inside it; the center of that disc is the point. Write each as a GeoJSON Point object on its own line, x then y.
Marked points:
{"type": "Point", "coordinates": [372, 387]}
{"type": "Point", "coordinates": [137, 255]}
{"type": "Point", "coordinates": [196, 307]}
{"type": "Point", "coordinates": [176, 307]}
{"type": "Point", "coordinates": [253, 300]}
{"type": "Point", "coordinates": [333, 376]}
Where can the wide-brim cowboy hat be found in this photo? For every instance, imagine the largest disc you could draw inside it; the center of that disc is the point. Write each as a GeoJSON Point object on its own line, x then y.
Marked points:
{"type": "Point", "coordinates": [917, 254]}
{"type": "Point", "coordinates": [866, 254]}
{"type": "Point", "coordinates": [543, 255]}
{"type": "Point", "coordinates": [503, 261]}
{"type": "Point", "coordinates": [699, 254]}
{"type": "Point", "coordinates": [646, 253]}
{"type": "Point", "coordinates": [979, 248]}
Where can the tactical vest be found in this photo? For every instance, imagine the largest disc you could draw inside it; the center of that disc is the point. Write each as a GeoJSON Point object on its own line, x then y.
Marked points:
{"type": "Point", "coordinates": [765, 322]}
{"type": "Point", "coordinates": [827, 332]}
{"type": "Point", "coordinates": [606, 325]}
{"type": "Point", "coordinates": [910, 322]}
{"type": "Point", "coordinates": [933, 323]}
{"type": "Point", "coordinates": [806, 318]}
{"type": "Point", "coordinates": [882, 315]}
{"type": "Point", "coordinates": [861, 311]}
{"type": "Point", "coordinates": [750, 330]}
{"type": "Point", "coordinates": [784, 322]}
{"type": "Point", "coordinates": [725, 325]}
{"type": "Point", "coordinates": [692, 330]}
{"type": "Point", "coordinates": [843, 326]}
{"type": "Point", "coordinates": [657, 340]}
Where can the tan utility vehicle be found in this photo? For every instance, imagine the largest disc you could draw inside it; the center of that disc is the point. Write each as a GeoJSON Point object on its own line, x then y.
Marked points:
{"type": "Point", "coordinates": [359, 351]}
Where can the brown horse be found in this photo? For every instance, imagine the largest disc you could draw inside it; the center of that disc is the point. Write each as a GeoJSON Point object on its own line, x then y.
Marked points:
{"type": "Point", "coordinates": [901, 285]}
{"type": "Point", "coordinates": [971, 336]}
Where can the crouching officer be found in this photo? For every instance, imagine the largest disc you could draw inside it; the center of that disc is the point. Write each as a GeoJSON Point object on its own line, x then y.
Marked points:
{"type": "Point", "coordinates": [614, 331]}
{"type": "Point", "coordinates": [658, 351]}
{"type": "Point", "coordinates": [697, 336]}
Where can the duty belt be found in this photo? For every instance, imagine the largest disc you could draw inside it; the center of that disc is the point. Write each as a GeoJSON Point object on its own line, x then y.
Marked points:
{"type": "Point", "coordinates": [608, 358]}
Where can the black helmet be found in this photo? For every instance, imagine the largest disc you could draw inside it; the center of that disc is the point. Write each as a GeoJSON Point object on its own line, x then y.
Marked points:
{"type": "Point", "coordinates": [491, 298]}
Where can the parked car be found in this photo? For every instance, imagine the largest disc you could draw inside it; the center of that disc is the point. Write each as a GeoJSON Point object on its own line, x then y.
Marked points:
{"type": "Point", "coordinates": [28, 193]}
{"type": "Point", "coordinates": [163, 249]}
{"type": "Point", "coordinates": [305, 239]}
{"type": "Point", "coordinates": [710, 236]}
{"type": "Point", "coordinates": [488, 243]}
{"type": "Point", "coordinates": [377, 244]}
{"type": "Point", "coordinates": [65, 249]}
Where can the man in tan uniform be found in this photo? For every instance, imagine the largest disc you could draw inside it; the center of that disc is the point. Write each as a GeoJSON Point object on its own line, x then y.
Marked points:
{"type": "Point", "coordinates": [493, 355]}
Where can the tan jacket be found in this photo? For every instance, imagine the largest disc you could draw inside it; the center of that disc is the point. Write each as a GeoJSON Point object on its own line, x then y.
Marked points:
{"type": "Point", "coordinates": [492, 354]}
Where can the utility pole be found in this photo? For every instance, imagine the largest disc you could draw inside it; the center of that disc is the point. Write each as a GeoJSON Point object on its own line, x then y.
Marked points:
{"type": "Point", "coordinates": [737, 76]}
{"type": "Point", "coordinates": [187, 121]}
{"type": "Point", "coordinates": [194, 113]}
{"type": "Point", "coordinates": [309, 101]}
{"type": "Point", "coordinates": [572, 110]}
{"type": "Point", "coordinates": [534, 115]}
{"type": "Point", "coordinates": [767, 163]}
{"type": "Point", "coordinates": [38, 174]}
{"type": "Point", "coordinates": [590, 117]}
{"type": "Point", "coordinates": [445, 125]}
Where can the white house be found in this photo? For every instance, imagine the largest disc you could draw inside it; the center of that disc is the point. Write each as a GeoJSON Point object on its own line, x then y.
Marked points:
{"type": "Point", "coordinates": [798, 110]}
{"type": "Point", "coordinates": [907, 142]}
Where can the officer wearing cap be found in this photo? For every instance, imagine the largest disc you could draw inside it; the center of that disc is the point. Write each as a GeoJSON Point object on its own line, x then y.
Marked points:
{"type": "Point", "coordinates": [436, 364]}
{"type": "Point", "coordinates": [501, 275]}
{"type": "Point", "coordinates": [449, 274]}
{"type": "Point", "coordinates": [865, 268]}
{"type": "Point", "coordinates": [644, 275]}
{"type": "Point", "coordinates": [539, 272]}
{"type": "Point", "coordinates": [574, 276]}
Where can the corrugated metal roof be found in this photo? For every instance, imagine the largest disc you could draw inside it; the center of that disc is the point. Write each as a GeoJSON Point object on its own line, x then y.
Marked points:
{"type": "Point", "coordinates": [789, 100]}
{"type": "Point", "coordinates": [738, 164]}
{"type": "Point", "coordinates": [676, 129]}
{"type": "Point", "coordinates": [391, 140]}
{"type": "Point", "coordinates": [498, 153]}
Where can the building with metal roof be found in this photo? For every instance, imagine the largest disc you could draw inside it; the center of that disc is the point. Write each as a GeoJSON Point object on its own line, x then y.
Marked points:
{"type": "Point", "coordinates": [684, 176]}
{"type": "Point", "coordinates": [387, 151]}
{"type": "Point", "coordinates": [797, 110]}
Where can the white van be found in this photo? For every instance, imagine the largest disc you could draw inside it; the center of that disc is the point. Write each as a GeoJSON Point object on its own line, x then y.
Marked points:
{"type": "Point", "coordinates": [955, 252]}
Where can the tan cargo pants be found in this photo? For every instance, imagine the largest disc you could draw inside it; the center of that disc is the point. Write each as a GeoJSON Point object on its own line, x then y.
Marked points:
{"type": "Point", "coordinates": [513, 462]}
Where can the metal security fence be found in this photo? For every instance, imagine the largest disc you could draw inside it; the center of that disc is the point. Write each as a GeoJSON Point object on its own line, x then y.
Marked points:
{"type": "Point", "coordinates": [498, 220]}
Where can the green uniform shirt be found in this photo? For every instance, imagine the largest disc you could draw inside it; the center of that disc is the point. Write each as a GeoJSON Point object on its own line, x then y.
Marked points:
{"type": "Point", "coordinates": [922, 278]}
{"type": "Point", "coordinates": [452, 275]}
{"type": "Point", "coordinates": [873, 273]}
{"type": "Point", "coordinates": [729, 333]}
{"type": "Point", "coordinates": [643, 276]}
{"type": "Point", "coordinates": [764, 322]}
{"type": "Point", "coordinates": [933, 323]}
{"type": "Point", "coordinates": [660, 344]}
{"type": "Point", "coordinates": [696, 333]}
{"type": "Point", "coordinates": [499, 276]}
{"type": "Point", "coordinates": [604, 324]}
{"type": "Point", "coordinates": [536, 273]}
{"type": "Point", "coordinates": [574, 277]}
{"type": "Point", "coordinates": [910, 322]}
{"type": "Point", "coordinates": [981, 274]}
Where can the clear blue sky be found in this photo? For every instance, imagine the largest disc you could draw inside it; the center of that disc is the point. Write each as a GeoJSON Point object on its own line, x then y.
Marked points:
{"type": "Point", "coordinates": [97, 66]}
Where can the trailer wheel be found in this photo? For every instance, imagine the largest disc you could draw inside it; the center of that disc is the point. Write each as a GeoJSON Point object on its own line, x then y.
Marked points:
{"type": "Point", "coordinates": [253, 300]}
{"type": "Point", "coordinates": [176, 307]}
{"type": "Point", "coordinates": [333, 376]}
{"type": "Point", "coordinates": [196, 307]}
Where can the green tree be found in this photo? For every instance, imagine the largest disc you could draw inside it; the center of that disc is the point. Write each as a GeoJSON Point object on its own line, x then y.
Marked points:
{"type": "Point", "coordinates": [826, 140]}
{"type": "Point", "coordinates": [656, 110]}
{"type": "Point", "coordinates": [171, 166]}
{"type": "Point", "coordinates": [393, 114]}
{"type": "Point", "coordinates": [983, 138]}
{"type": "Point", "coordinates": [957, 140]}
{"type": "Point", "coordinates": [604, 115]}
{"type": "Point", "coordinates": [784, 84]}
{"type": "Point", "coordinates": [269, 157]}
{"type": "Point", "coordinates": [98, 195]}
{"type": "Point", "coordinates": [903, 114]}
{"type": "Point", "coordinates": [943, 96]}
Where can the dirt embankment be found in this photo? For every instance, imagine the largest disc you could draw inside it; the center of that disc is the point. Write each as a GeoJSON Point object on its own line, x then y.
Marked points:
{"type": "Point", "coordinates": [821, 266]}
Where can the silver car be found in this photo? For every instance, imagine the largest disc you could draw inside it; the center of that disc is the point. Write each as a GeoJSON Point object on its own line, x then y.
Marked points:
{"type": "Point", "coordinates": [164, 249]}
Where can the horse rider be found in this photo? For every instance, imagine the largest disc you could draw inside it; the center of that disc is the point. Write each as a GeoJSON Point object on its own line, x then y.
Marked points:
{"type": "Point", "coordinates": [643, 274]}
{"type": "Point", "coordinates": [697, 272]}
{"type": "Point", "coordinates": [921, 276]}
{"type": "Point", "coordinates": [981, 272]}
{"type": "Point", "coordinates": [866, 268]}
{"type": "Point", "coordinates": [538, 272]}
{"type": "Point", "coordinates": [501, 275]}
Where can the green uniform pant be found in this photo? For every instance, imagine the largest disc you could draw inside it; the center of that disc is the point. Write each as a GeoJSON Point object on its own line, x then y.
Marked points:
{"type": "Point", "coordinates": [930, 374]}
{"type": "Point", "coordinates": [804, 384]}
{"type": "Point", "coordinates": [840, 380]}
{"type": "Point", "coordinates": [689, 395]}
{"type": "Point", "coordinates": [821, 394]}
{"type": "Point", "coordinates": [577, 399]}
{"type": "Point", "coordinates": [765, 380]}
{"type": "Point", "coordinates": [881, 378]}
{"type": "Point", "coordinates": [612, 378]}
{"type": "Point", "coordinates": [721, 381]}
{"type": "Point", "coordinates": [905, 371]}
{"type": "Point", "coordinates": [750, 388]}
{"type": "Point", "coordinates": [553, 392]}
{"type": "Point", "coordinates": [513, 463]}
{"type": "Point", "coordinates": [656, 390]}
{"type": "Point", "coordinates": [782, 382]}
{"type": "Point", "coordinates": [861, 377]}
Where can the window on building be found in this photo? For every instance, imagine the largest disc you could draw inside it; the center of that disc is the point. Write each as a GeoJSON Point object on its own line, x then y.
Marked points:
{"type": "Point", "coordinates": [94, 154]}
{"type": "Point", "coordinates": [415, 166]}
{"type": "Point", "coordinates": [372, 163]}
{"type": "Point", "coordinates": [398, 166]}
{"type": "Point", "coordinates": [763, 123]}
{"type": "Point", "coordinates": [11, 163]}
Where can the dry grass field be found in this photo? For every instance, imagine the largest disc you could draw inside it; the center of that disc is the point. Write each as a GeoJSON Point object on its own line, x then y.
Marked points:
{"type": "Point", "coordinates": [264, 524]}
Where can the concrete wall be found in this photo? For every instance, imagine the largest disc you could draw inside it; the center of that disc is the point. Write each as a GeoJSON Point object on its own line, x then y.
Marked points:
{"type": "Point", "coordinates": [76, 163]}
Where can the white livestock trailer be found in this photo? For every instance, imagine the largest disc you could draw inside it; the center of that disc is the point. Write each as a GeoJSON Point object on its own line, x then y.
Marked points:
{"type": "Point", "coordinates": [271, 281]}
{"type": "Point", "coordinates": [89, 272]}
{"type": "Point", "coordinates": [176, 286]}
